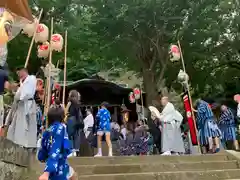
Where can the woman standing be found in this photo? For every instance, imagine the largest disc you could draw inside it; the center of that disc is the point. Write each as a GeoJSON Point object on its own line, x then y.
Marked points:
{"type": "Point", "coordinates": [88, 124]}
{"type": "Point", "coordinates": [103, 127]}
{"type": "Point", "coordinates": [75, 120]}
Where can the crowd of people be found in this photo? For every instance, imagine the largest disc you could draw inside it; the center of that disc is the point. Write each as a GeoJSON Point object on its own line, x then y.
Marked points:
{"type": "Point", "coordinates": [68, 127]}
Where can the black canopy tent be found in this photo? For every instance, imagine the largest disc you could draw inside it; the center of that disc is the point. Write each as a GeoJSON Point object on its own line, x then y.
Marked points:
{"type": "Point", "coordinates": [95, 91]}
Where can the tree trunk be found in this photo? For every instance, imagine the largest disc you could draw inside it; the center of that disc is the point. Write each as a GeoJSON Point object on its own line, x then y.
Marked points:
{"type": "Point", "coordinates": [150, 87]}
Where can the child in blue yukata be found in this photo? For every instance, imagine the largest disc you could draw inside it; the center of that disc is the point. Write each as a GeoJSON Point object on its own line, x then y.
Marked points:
{"type": "Point", "coordinates": [55, 147]}
{"type": "Point", "coordinates": [103, 118]}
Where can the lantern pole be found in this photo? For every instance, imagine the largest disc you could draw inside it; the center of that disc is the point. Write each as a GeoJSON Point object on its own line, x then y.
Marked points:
{"type": "Point", "coordinates": [47, 104]}
{"type": "Point", "coordinates": [65, 70]}
{"type": "Point", "coordinates": [189, 95]}
{"type": "Point", "coordinates": [33, 38]}
{"type": "Point", "coordinates": [142, 103]}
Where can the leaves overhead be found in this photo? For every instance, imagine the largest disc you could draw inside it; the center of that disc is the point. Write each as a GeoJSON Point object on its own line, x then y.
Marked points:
{"type": "Point", "coordinates": [136, 35]}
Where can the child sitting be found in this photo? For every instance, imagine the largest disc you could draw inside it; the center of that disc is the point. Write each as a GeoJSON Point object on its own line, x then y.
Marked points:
{"type": "Point", "coordinates": [55, 147]}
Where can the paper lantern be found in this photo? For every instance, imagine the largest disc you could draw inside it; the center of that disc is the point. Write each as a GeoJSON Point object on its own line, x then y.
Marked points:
{"type": "Point", "coordinates": [29, 28]}
{"type": "Point", "coordinates": [54, 72]}
{"type": "Point", "coordinates": [132, 97]}
{"type": "Point", "coordinates": [237, 98]}
{"type": "Point", "coordinates": [43, 50]}
{"type": "Point", "coordinates": [182, 77]}
{"type": "Point", "coordinates": [57, 42]}
{"type": "Point", "coordinates": [174, 53]}
{"type": "Point", "coordinates": [57, 86]}
{"type": "Point", "coordinates": [42, 33]}
{"type": "Point", "coordinates": [137, 93]}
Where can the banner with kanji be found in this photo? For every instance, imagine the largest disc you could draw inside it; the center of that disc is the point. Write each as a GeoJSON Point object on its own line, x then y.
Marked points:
{"type": "Point", "coordinates": [190, 120]}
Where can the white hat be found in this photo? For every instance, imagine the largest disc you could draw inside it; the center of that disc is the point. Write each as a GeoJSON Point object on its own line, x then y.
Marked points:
{"type": "Point", "coordinates": [155, 111]}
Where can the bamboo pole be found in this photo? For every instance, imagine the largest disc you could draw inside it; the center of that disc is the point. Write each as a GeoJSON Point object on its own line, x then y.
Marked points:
{"type": "Point", "coordinates": [190, 97]}
{"type": "Point", "coordinates": [143, 113]}
{"type": "Point", "coordinates": [65, 70]}
{"type": "Point", "coordinates": [33, 39]}
{"type": "Point", "coordinates": [49, 73]}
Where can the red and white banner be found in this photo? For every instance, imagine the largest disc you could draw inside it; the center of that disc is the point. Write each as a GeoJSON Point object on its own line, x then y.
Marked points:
{"type": "Point", "coordinates": [191, 125]}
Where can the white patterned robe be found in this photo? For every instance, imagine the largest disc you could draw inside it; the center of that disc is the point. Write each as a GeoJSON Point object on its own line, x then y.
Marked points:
{"type": "Point", "coordinates": [23, 127]}
{"type": "Point", "coordinates": [171, 133]}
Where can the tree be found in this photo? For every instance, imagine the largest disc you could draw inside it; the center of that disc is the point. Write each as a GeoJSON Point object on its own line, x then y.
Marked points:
{"type": "Point", "coordinates": [140, 33]}
{"type": "Point", "coordinates": [81, 62]}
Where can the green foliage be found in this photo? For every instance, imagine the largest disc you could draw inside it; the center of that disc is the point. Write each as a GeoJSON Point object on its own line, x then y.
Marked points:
{"type": "Point", "coordinates": [136, 35]}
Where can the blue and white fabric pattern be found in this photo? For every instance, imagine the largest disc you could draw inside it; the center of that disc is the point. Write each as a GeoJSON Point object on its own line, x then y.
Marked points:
{"type": "Point", "coordinates": [227, 125]}
{"type": "Point", "coordinates": [55, 148]}
{"type": "Point", "coordinates": [207, 126]}
{"type": "Point", "coordinates": [103, 120]}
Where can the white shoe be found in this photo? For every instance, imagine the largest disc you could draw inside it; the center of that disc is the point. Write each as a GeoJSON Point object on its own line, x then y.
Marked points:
{"type": "Point", "coordinates": [73, 154]}
{"type": "Point", "coordinates": [167, 153]}
{"type": "Point", "coordinates": [98, 155]}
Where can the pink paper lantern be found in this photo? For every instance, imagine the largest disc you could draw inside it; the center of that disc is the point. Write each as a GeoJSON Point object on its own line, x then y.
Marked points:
{"type": "Point", "coordinates": [237, 98]}
{"type": "Point", "coordinates": [132, 97]}
{"type": "Point", "coordinates": [42, 33]}
{"type": "Point", "coordinates": [57, 42]}
{"type": "Point", "coordinates": [57, 86]}
{"type": "Point", "coordinates": [175, 54]}
{"type": "Point", "coordinates": [137, 93]}
{"type": "Point", "coordinates": [43, 50]}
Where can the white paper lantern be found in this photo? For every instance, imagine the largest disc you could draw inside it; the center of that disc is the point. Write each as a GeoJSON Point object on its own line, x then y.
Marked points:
{"type": "Point", "coordinates": [43, 50]}
{"type": "Point", "coordinates": [174, 53]}
{"type": "Point", "coordinates": [54, 72]}
{"type": "Point", "coordinates": [42, 33]}
{"type": "Point", "coordinates": [29, 28]}
{"type": "Point", "coordinates": [183, 77]}
{"type": "Point", "coordinates": [137, 93]}
{"type": "Point", "coordinates": [57, 42]}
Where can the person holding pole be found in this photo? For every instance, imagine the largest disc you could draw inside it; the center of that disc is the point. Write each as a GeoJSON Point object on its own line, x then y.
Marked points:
{"type": "Point", "coordinates": [21, 121]}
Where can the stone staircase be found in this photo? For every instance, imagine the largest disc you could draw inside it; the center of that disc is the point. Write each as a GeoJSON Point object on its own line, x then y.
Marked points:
{"type": "Point", "coordinates": [221, 166]}
{"type": "Point", "coordinates": [212, 167]}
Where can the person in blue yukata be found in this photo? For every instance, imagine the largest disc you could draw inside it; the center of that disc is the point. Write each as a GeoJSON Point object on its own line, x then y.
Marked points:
{"type": "Point", "coordinates": [55, 147]}
{"type": "Point", "coordinates": [103, 118]}
{"type": "Point", "coordinates": [207, 127]}
{"type": "Point", "coordinates": [228, 127]}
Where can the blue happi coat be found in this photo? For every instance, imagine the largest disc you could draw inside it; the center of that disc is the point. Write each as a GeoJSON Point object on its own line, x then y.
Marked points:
{"type": "Point", "coordinates": [103, 120]}
{"type": "Point", "coordinates": [55, 147]}
{"type": "Point", "coordinates": [227, 125]}
{"type": "Point", "coordinates": [206, 123]}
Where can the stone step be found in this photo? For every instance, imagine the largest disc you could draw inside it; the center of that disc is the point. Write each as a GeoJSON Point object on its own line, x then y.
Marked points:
{"type": "Point", "coordinates": [154, 167]}
{"type": "Point", "coordinates": [148, 159]}
{"type": "Point", "coordinates": [177, 175]}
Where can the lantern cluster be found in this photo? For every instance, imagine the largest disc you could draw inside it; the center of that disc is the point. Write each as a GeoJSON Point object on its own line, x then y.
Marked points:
{"type": "Point", "coordinates": [42, 38]}
{"type": "Point", "coordinates": [135, 95]}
